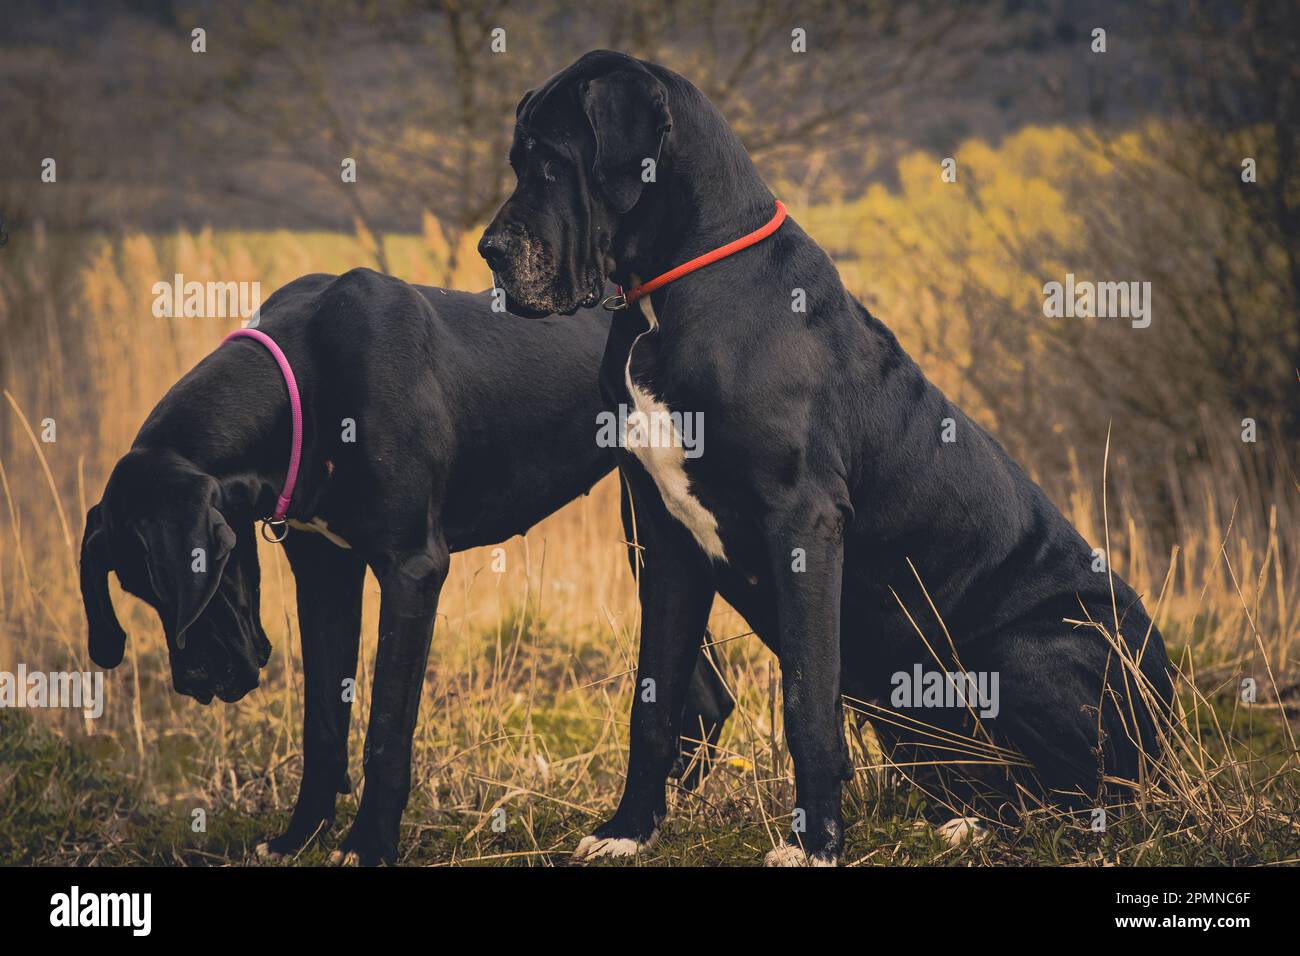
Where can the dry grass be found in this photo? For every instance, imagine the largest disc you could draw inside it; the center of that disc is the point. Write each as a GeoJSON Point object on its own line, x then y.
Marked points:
{"type": "Point", "coordinates": [527, 693]}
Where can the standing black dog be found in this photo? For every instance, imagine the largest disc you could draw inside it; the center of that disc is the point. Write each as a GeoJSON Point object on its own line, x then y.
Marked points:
{"type": "Point", "coordinates": [468, 426]}
{"type": "Point", "coordinates": [825, 481]}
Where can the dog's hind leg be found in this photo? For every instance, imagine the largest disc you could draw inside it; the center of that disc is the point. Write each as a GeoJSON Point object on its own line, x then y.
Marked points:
{"type": "Point", "coordinates": [329, 586]}
{"type": "Point", "coordinates": [708, 705]}
{"type": "Point", "coordinates": [409, 582]}
{"type": "Point", "coordinates": [1071, 706]}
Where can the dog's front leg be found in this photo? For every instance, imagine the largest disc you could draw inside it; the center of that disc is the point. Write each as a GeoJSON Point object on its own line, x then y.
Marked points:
{"type": "Point", "coordinates": [676, 591]}
{"type": "Point", "coordinates": [329, 585]}
{"type": "Point", "coordinates": [409, 585]}
{"type": "Point", "coordinates": [806, 549]}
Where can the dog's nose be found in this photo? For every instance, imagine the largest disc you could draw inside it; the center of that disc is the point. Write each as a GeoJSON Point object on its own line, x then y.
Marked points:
{"type": "Point", "coordinates": [195, 675]}
{"type": "Point", "coordinates": [492, 247]}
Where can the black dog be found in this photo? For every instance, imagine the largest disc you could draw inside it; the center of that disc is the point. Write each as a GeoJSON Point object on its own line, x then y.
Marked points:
{"type": "Point", "coordinates": [827, 498]}
{"type": "Point", "coordinates": [469, 426]}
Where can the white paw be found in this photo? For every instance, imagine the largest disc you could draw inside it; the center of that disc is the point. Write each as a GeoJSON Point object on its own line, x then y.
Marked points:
{"type": "Point", "coordinates": [594, 847]}
{"type": "Point", "coordinates": [339, 858]}
{"type": "Point", "coordinates": [961, 830]}
{"type": "Point", "coordinates": [263, 851]}
{"type": "Point", "coordinates": [787, 854]}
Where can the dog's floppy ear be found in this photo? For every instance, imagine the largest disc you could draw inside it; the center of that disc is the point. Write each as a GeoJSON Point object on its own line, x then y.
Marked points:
{"type": "Point", "coordinates": [628, 112]}
{"type": "Point", "coordinates": [186, 563]}
{"type": "Point", "coordinates": [107, 639]}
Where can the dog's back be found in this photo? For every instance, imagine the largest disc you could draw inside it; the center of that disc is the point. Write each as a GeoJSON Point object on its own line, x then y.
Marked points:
{"type": "Point", "coordinates": [500, 410]}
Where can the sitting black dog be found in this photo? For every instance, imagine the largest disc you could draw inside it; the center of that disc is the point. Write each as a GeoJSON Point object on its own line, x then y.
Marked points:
{"type": "Point", "coordinates": [431, 424]}
{"type": "Point", "coordinates": [843, 505]}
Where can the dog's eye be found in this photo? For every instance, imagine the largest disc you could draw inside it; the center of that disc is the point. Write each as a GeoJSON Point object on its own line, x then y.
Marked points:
{"type": "Point", "coordinates": [548, 172]}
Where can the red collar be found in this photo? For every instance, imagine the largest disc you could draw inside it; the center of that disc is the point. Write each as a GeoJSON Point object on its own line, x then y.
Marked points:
{"type": "Point", "coordinates": [621, 301]}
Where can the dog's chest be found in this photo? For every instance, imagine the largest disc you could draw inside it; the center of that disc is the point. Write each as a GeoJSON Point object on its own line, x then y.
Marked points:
{"type": "Point", "coordinates": [663, 439]}
{"type": "Point", "coordinates": [320, 504]}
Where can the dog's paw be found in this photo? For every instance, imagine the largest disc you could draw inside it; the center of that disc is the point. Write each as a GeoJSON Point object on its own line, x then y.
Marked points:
{"type": "Point", "coordinates": [363, 846]}
{"type": "Point", "coordinates": [276, 849]}
{"type": "Point", "coordinates": [303, 829]}
{"type": "Point", "coordinates": [961, 831]}
{"type": "Point", "coordinates": [788, 854]}
{"type": "Point", "coordinates": [597, 847]}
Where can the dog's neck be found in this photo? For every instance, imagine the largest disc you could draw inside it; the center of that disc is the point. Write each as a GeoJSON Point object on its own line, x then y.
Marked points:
{"type": "Point", "coordinates": [228, 419]}
{"type": "Point", "coordinates": [707, 193]}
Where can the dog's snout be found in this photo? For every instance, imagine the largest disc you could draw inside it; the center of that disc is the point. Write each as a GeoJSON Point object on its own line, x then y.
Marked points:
{"type": "Point", "coordinates": [493, 248]}
{"type": "Point", "coordinates": [194, 681]}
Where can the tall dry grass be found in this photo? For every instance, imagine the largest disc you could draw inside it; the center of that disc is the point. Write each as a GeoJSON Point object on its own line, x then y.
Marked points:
{"type": "Point", "coordinates": [527, 692]}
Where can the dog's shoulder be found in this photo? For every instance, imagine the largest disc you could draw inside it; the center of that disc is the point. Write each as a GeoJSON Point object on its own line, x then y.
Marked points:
{"type": "Point", "coordinates": [295, 292]}
{"type": "Point", "coordinates": [354, 295]}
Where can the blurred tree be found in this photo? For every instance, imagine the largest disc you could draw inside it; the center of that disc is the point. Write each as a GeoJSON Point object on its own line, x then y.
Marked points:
{"type": "Point", "coordinates": [1239, 94]}
{"type": "Point", "coordinates": [1161, 201]}
{"type": "Point", "coordinates": [1222, 253]}
{"type": "Point", "coordinates": [415, 93]}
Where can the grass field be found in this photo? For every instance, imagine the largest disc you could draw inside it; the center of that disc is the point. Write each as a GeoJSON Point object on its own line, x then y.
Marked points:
{"type": "Point", "coordinates": [528, 688]}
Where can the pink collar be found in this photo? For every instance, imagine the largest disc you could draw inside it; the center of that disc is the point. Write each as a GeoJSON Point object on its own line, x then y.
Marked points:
{"type": "Point", "coordinates": [295, 411]}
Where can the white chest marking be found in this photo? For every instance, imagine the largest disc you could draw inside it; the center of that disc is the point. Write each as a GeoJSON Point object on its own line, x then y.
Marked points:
{"type": "Point", "coordinates": [666, 462]}
{"type": "Point", "coordinates": [318, 526]}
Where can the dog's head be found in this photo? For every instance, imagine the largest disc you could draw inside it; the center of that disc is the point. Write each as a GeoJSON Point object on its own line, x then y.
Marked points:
{"type": "Point", "coordinates": [582, 146]}
{"type": "Point", "coordinates": [160, 529]}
